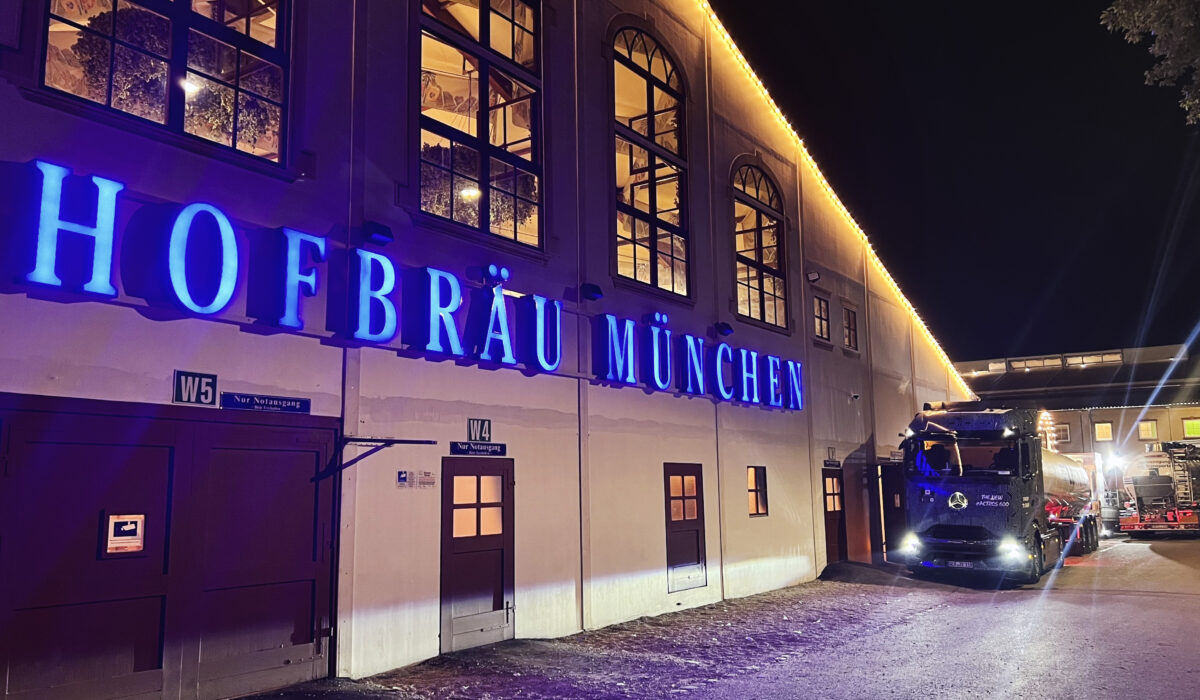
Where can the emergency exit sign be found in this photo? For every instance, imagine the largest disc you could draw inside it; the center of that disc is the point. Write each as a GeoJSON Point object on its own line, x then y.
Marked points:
{"type": "Point", "coordinates": [195, 388]}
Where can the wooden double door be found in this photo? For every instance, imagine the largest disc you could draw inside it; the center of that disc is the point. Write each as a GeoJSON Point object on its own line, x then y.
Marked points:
{"type": "Point", "coordinates": [161, 552]}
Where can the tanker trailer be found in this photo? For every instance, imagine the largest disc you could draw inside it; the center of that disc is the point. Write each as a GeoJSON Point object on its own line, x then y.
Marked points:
{"type": "Point", "coordinates": [1162, 486]}
{"type": "Point", "coordinates": [982, 495]}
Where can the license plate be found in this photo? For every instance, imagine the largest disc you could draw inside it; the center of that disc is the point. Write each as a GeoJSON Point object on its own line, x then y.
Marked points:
{"type": "Point", "coordinates": [961, 564]}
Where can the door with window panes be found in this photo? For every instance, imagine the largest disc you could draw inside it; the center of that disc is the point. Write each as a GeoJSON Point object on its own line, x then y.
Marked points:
{"type": "Point", "coordinates": [835, 515]}
{"type": "Point", "coordinates": [477, 552]}
{"type": "Point", "coordinates": [685, 526]}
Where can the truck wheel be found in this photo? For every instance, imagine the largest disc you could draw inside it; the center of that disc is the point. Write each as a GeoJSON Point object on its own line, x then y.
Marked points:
{"type": "Point", "coordinates": [1037, 565]}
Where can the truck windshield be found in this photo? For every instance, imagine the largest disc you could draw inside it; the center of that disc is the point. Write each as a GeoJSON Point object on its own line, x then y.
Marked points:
{"type": "Point", "coordinates": [965, 457]}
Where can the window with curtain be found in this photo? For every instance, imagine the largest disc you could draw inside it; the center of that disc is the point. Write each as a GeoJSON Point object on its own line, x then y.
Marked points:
{"type": "Point", "coordinates": [480, 147]}
{"type": "Point", "coordinates": [651, 240]}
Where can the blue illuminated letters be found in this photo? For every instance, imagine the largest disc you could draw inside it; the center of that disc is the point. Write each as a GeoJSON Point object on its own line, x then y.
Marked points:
{"type": "Point", "coordinates": [372, 305]}
{"type": "Point", "coordinates": [177, 258]}
{"type": "Point", "coordinates": [546, 321]}
{"type": "Point", "coordinates": [294, 278]}
{"type": "Point", "coordinates": [774, 396]}
{"type": "Point", "coordinates": [659, 361]}
{"type": "Point", "coordinates": [691, 379]}
{"type": "Point", "coordinates": [441, 314]}
{"type": "Point", "coordinates": [747, 369]}
{"type": "Point", "coordinates": [497, 329]}
{"type": "Point", "coordinates": [50, 222]}
{"type": "Point", "coordinates": [367, 294]}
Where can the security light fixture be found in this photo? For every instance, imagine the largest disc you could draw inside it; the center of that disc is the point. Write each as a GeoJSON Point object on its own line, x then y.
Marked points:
{"type": "Point", "coordinates": [377, 233]}
{"type": "Point", "coordinates": [591, 292]}
{"type": "Point", "coordinates": [723, 328]}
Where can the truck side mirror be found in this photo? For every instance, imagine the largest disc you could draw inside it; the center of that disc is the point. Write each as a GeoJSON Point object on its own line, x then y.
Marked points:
{"type": "Point", "coordinates": [1027, 469]}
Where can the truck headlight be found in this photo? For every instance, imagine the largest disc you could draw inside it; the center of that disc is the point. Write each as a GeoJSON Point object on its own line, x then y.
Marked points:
{"type": "Point", "coordinates": [910, 544]}
{"type": "Point", "coordinates": [1010, 548]}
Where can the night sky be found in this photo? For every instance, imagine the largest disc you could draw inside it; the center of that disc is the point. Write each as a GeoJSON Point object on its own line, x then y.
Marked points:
{"type": "Point", "coordinates": [1027, 190]}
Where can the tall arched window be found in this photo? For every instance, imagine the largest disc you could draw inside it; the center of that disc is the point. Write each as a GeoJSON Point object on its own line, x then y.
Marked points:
{"type": "Point", "coordinates": [651, 203]}
{"type": "Point", "coordinates": [758, 247]}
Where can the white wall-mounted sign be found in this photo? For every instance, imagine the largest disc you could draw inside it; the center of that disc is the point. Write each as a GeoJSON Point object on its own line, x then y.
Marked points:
{"type": "Point", "coordinates": [126, 533]}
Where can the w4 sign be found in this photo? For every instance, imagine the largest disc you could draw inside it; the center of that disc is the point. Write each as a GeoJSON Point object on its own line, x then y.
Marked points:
{"type": "Point", "coordinates": [195, 388]}
{"type": "Point", "coordinates": [479, 429]}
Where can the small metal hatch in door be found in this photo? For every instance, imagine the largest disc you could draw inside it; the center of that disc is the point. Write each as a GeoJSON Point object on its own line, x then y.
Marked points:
{"type": "Point", "coordinates": [477, 552]}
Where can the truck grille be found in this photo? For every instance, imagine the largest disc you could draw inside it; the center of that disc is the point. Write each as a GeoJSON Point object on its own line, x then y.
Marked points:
{"type": "Point", "coordinates": [969, 533]}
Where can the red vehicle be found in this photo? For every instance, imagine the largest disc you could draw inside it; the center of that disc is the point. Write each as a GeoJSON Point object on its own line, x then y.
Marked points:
{"type": "Point", "coordinates": [1162, 485]}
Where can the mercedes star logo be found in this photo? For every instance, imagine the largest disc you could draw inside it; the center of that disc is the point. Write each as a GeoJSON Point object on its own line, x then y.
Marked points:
{"type": "Point", "coordinates": [958, 500]}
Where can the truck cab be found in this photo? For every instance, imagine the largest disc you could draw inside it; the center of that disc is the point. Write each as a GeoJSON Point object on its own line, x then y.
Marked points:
{"type": "Point", "coordinates": [976, 496]}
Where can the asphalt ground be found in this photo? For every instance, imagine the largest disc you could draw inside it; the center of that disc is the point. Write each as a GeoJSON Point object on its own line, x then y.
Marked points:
{"type": "Point", "coordinates": [1121, 622]}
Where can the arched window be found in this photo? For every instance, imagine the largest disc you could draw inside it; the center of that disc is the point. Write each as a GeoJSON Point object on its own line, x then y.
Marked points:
{"type": "Point", "coordinates": [758, 247]}
{"type": "Point", "coordinates": [651, 196]}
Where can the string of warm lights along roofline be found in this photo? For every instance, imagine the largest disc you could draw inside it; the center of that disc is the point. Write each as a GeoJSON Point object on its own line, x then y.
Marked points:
{"type": "Point", "coordinates": [715, 21]}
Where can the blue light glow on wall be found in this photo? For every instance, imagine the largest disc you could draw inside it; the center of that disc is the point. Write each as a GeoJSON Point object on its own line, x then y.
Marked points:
{"type": "Point", "coordinates": [177, 268]}
{"type": "Point", "coordinates": [50, 222]}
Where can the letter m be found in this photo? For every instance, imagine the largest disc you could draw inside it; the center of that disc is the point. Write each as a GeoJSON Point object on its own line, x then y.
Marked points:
{"type": "Point", "coordinates": [613, 349]}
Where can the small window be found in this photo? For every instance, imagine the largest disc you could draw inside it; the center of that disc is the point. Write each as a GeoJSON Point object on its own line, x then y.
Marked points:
{"type": "Point", "coordinates": [478, 510]}
{"type": "Point", "coordinates": [213, 69]}
{"type": "Point", "coordinates": [1148, 430]}
{"type": "Point", "coordinates": [833, 494]}
{"type": "Point", "coordinates": [821, 317]}
{"type": "Point", "coordinates": [1062, 432]}
{"type": "Point", "coordinates": [1104, 432]}
{"type": "Point", "coordinates": [1191, 427]}
{"type": "Point", "coordinates": [756, 487]}
{"type": "Point", "coordinates": [850, 328]}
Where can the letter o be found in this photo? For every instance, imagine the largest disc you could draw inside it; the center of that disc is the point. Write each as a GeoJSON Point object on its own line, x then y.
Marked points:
{"type": "Point", "coordinates": [177, 258]}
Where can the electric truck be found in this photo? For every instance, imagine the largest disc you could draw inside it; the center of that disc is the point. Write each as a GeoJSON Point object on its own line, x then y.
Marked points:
{"type": "Point", "coordinates": [982, 494]}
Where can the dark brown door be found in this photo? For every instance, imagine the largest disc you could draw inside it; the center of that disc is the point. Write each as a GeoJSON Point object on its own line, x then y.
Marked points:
{"type": "Point", "coordinates": [685, 526]}
{"type": "Point", "coordinates": [891, 499]}
{"type": "Point", "coordinates": [477, 551]}
{"type": "Point", "coordinates": [835, 515]}
{"type": "Point", "coordinates": [229, 590]}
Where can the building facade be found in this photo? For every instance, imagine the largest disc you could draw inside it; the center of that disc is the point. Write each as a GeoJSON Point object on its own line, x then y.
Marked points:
{"type": "Point", "coordinates": [343, 334]}
{"type": "Point", "coordinates": [1105, 407]}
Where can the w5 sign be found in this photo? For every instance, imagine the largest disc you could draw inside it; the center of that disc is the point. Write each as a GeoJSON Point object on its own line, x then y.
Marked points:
{"type": "Point", "coordinates": [195, 388]}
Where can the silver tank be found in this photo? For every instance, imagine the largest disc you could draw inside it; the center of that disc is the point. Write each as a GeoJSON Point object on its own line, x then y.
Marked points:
{"type": "Point", "coordinates": [1067, 482]}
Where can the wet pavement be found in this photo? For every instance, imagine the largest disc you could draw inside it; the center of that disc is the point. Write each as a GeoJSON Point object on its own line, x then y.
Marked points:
{"type": "Point", "coordinates": [1120, 622]}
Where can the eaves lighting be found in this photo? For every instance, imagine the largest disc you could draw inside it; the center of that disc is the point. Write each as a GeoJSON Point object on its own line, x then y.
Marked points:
{"type": "Point", "coordinates": [720, 30]}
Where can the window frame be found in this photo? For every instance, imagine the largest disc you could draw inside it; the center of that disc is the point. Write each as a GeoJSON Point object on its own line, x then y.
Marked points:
{"type": "Point", "coordinates": [850, 328]}
{"type": "Point", "coordinates": [172, 130]}
{"type": "Point", "coordinates": [759, 492]}
{"type": "Point", "coordinates": [659, 229]}
{"type": "Point", "coordinates": [487, 59]}
{"type": "Point", "coordinates": [1096, 431]}
{"type": "Point", "coordinates": [1062, 429]}
{"type": "Point", "coordinates": [821, 317]}
{"type": "Point", "coordinates": [1186, 434]}
{"type": "Point", "coordinates": [761, 209]}
{"type": "Point", "coordinates": [1153, 423]}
